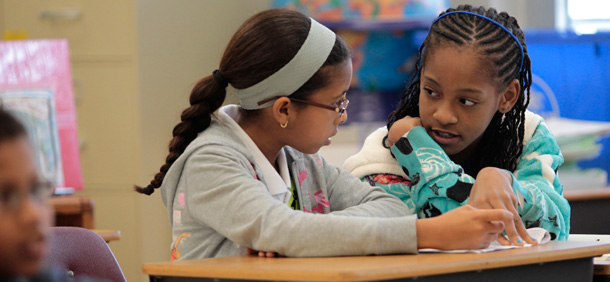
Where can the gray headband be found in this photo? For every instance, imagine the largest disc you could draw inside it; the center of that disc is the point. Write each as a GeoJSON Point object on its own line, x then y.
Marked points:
{"type": "Point", "coordinates": [308, 60]}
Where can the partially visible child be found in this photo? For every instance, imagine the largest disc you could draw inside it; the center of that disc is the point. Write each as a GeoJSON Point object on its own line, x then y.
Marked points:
{"type": "Point", "coordinates": [25, 210]}
{"type": "Point", "coordinates": [463, 117]}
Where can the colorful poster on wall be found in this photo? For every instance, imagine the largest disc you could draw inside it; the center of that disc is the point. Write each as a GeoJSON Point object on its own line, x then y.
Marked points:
{"type": "Point", "coordinates": [36, 81]}
{"type": "Point", "coordinates": [36, 111]}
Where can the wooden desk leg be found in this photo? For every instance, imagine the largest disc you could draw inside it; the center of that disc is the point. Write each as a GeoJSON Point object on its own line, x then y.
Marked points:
{"type": "Point", "coordinates": [74, 211]}
{"type": "Point", "coordinates": [87, 218]}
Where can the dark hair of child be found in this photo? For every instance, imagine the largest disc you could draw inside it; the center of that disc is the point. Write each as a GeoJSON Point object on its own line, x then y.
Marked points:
{"type": "Point", "coordinates": [10, 127]}
{"type": "Point", "coordinates": [260, 47]}
{"type": "Point", "coordinates": [500, 146]}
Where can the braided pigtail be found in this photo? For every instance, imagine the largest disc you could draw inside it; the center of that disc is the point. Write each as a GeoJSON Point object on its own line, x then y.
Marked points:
{"type": "Point", "coordinates": [207, 96]}
{"type": "Point", "coordinates": [261, 46]}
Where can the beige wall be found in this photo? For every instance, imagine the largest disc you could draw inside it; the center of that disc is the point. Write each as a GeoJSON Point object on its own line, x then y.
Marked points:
{"type": "Point", "coordinates": [178, 43]}
{"type": "Point", "coordinates": [2, 20]}
{"type": "Point", "coordinates": [133, 64]}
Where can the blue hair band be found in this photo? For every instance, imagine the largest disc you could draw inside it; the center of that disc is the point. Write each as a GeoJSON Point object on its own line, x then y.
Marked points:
{"type": "Point", "coordinates": [495, 22]}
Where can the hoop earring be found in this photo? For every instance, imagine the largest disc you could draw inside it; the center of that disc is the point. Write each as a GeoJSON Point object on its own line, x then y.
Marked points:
{"type": "Point", "coordinates": [283, 125]}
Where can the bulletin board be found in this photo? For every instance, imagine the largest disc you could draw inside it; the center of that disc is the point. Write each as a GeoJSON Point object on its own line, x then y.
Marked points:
{"type": "Point", "coordinates": [36, 85]}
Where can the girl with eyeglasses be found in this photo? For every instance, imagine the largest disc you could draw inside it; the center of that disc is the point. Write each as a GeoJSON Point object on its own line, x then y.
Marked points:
{"type": "Point", "coordinates": [462, 135]}
{"type": "Point", "coordinates": [25, 211]}
{"type": "Point", "coordinates": [249, 178]}
{"type": "Point", "coordinates": [26, 214]}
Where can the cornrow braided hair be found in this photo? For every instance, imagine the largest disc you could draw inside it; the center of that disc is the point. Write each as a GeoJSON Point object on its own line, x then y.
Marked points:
{"type": "Point", "coordinates": [500, 146]}
{"type": "Point", "coordinates": [261, 46]}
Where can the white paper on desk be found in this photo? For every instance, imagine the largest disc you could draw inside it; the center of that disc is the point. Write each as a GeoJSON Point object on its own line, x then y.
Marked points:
{"type": "Point", "coordinates": [541, 235]}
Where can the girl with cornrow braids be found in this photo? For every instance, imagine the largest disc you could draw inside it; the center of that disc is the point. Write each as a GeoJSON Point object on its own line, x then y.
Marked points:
{"type": "Point", "coordinates": [248, 179]}
{"type": "Point", "coordinates": [461, 133]}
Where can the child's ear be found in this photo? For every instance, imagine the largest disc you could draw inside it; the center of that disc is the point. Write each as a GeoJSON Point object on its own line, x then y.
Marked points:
{"type": "Point", "coordinates": [509, 96]}
{"type": "Point", "coordinates": [281, 110]}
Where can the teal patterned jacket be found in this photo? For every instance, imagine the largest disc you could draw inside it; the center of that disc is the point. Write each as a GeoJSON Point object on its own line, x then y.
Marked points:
{"type": "Point", "coordinates": [421, 174]}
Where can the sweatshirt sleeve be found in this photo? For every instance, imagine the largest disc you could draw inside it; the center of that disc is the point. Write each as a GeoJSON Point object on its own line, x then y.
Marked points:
{"type": "Point", "coordinates": [438, 185]}
{"type": "Point", "coordinates": [538, 185]}
{"type": "Point", "coordinates": [350, 196]}
{"type": "Point", "coordinates": [222, 193]}
{"type": "Point", "coordinates": [394, 185]}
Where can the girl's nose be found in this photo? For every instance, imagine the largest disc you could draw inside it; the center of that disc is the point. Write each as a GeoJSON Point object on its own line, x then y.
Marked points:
{"type": "Point", "coordinates": [444, 115]}
{"type": "Point", "coordinates": [30, 211]}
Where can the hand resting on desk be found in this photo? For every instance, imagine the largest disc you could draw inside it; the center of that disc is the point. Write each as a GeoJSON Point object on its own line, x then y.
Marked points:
{"type": "Point", "coordinates": [541, 235]}
{"type": "Point", "coordinates": [473, 229]}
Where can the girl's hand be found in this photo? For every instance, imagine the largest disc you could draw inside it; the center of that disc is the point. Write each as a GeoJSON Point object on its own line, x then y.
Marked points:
{"type": "Point", "coordinates": [252, 252]}
{"type": "Point", "coordinates": [401, 127]}
{"type": "Point", "coordinates": [493, 189]}
{"type": "Point", "coordinates": [462, 228]}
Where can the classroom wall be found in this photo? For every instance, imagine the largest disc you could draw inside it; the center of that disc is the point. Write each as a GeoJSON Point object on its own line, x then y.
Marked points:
{"type": "Point", "coordinates": [128, 103]}
{"type": "Point", "coordinates": [178, 43]}
{"type": "Point", "coordinates": [133, 64]}
{"type": "Point", "coordinates": [1, 13]}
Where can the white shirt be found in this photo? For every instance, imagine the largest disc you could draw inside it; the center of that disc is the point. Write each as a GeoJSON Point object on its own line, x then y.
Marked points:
{"type": "Point", "coordinates": [277, 183]}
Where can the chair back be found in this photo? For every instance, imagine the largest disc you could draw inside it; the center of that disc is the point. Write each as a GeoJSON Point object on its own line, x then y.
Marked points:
{"type": "Point", "coordinates": [82, 252]}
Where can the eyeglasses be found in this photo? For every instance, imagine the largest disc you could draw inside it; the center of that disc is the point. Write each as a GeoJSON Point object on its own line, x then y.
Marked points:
{"type": "Point", "coordinates": [343, 103]}
{"type": "Point", "coordinates": [11, 201]}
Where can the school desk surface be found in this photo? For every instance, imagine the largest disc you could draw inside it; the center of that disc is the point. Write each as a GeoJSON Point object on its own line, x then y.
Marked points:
{"type": "Point", "coordinates": [554, 261]}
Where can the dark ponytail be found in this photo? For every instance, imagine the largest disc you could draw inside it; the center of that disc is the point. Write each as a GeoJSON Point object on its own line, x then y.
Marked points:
{"type": "Point", "coordinates": [206, 97]}
{"type": "Point", "coordinates": [261, 46]}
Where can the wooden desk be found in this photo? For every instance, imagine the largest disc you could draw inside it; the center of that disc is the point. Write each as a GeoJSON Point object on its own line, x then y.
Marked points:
{"type": "Point", "coordinates": [555, 261]}
{"type": "Point", "coordinates": [108, 235]}
{"type": "Point", "coordinates": [587, 194]}
{"type": "Point", "coordinates": [589, 210]}
{"type": "Point", "coordinates": [73, 210]}
{"type": "Point", "coordinates": [602, 269]}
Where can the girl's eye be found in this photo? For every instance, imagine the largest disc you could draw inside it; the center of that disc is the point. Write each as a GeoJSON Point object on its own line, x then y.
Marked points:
{"type": "Point", "coordinates": [431, 93]}
{"type": "Point", "coordinates": [41, 190]}
{"type": "Point", "coordinates": [467, 102]}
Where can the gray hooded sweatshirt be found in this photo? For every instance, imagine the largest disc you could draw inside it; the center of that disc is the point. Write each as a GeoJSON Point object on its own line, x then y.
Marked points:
{"type": "Point", "coordinates": [218, 204]}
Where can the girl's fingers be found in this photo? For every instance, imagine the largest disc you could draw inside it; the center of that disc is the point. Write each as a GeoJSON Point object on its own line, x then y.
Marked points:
{"type": "Point", "coordinates": [513, 235]}
{"type": "Point", "coordinates": [496, 227]}
{"type": "Point", "coordinates": [515, 230]}
{"type": "Point", "coordinates": [502, 240]}
{"type": "Point", "coordinates": [523, 231]}
{"type": "Point", "coordinates": [520, 230]}
{"type": "Point", "coordinates": [497, 215]}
